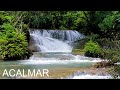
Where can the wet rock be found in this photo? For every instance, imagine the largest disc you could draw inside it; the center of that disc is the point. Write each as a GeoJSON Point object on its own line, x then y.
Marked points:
{"type": "Point", "coordinates": [64, 58]}
{"type": "Point", "coordinates": [103, 64]}
{"type": "Point", "coordinates": [32, 47]}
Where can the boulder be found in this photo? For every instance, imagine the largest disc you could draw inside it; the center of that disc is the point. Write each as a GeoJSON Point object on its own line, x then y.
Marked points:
{"type": "Point", "coordinates": [103, 64]}
{"type": "Point", "coordinates": [32, 45]}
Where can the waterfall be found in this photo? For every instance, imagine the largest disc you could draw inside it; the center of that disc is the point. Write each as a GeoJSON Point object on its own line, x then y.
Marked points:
{"type": "Point", "coordinates": [54, 40]}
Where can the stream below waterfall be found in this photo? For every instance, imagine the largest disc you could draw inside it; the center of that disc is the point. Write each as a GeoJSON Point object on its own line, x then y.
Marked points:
{"type": "Point", "coordinates": [56, 63]}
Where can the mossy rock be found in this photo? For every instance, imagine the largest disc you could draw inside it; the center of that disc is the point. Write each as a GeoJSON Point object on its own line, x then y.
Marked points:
{"type": "Point", "coordinates": [103, 64]}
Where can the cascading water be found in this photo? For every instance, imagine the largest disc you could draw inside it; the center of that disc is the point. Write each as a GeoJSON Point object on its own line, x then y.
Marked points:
{"type": "Point", "coordinates": [53, 50]}
{"type": "Point", "coordinates": [44, 41]}
{"type": "Point", "coordinates": [84, 75]}
{"type": "Point", "coordinates": [55, 40]}
{"type": "Point", "coordinates": [54, 47]}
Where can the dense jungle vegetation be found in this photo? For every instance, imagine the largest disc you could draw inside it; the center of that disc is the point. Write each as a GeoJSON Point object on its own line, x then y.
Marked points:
{"type": "Point", "coordinates": [102, 29]}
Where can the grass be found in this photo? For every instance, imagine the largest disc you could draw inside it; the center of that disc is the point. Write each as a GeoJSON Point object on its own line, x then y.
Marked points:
{"type": "Point", "coordinates": [78, 52]}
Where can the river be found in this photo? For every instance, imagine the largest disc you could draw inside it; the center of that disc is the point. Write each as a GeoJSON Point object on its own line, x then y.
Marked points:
{"type": "Point", "coordinates": [52, 51]}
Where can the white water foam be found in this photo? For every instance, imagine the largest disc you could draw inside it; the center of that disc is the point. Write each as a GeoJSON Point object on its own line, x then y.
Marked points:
{"type": "Point", "coordinates": [55, 40]}
{"type": "Point", "coordinates": [88, 76]}
{"type": "Point", "coordinates": [85, 75]}
{"type": "Point", "coordinates": [61, 59]}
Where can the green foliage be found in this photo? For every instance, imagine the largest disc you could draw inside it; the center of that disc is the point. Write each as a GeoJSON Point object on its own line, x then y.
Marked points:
{"type": "Point", "coordinates": [92, 49]}
{"type": "Point", "coordinates": [51, 19]}
{"type": "Point", "coordinates": [92, 36]}
{"type": "Point", "coordinates": [103, 23]}
{"type": "Point", "coordinates": [111, 55]}
{"type": "Point", "coordinates": [69, 20]}
{"type": "Point", "coordinates": [115, 72]}
{"type": "Point", "coordinates": [95, 24]}
{"type": "Point", "coordinates": [111, 52]}
{"type": "Point", "coordinates": [62, 28]}
{"type": "Point", "coordinates": [107, 23]}
{"type": "Point", "coordinates": [13, 45]}
{"type": "Point", "coordinates": [81, 20]}
{"type": "Point", "coordinates": [110, 25]}
{"type": "Point", "coordinates": [7, 27]}
{"type": "Point", "coordinates": [5, 18]}
{"type": "Point", "coordinates": [111, 49]}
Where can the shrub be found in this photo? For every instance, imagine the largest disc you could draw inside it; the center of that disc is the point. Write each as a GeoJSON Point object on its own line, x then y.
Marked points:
{"type": "Point", "coordinates": [92, 49]}
{"type": "Point", "coordinates": [111, 55]}
{"type": "Point", "coordinates": [13, 44]}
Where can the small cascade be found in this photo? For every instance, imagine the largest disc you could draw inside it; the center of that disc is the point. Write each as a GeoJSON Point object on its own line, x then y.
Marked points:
{"type": "Point", "coordinates": [54, 40]}
{"type": "Point", "coordinates": [85, 75]}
